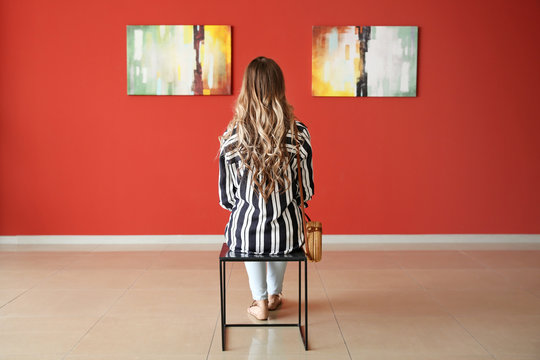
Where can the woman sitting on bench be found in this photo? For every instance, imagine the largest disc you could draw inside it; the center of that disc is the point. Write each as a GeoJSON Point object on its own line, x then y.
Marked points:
{"type": "Point", "coordinates": [258, 180]}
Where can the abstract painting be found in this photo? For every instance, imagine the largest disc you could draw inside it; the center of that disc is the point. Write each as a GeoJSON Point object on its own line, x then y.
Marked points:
{"type": "Point", "coordinates": [364, 60]}
{"type": "Point", "coordinates": [179, 59]}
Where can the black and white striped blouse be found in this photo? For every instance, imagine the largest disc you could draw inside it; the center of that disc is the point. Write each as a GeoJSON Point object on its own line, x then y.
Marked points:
{"type": "Point", "coordinates": [258, 226]}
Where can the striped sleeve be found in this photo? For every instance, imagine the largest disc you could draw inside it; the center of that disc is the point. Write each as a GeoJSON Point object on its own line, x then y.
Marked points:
{"type": "Point", "coordinates": [306, 162]}
{"type": "Point", "coordinates": [227, 188]}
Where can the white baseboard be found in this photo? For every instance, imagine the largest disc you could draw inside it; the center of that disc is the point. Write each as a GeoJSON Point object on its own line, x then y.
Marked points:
{"type": "Point", "coordinates": [217, 239]}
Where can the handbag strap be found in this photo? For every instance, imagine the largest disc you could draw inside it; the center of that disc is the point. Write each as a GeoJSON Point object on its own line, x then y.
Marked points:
{"type": "Point", "coordinates": [301, 189]}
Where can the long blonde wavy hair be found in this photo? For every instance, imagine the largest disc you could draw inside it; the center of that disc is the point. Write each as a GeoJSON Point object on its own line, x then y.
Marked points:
{"type": "Point", "coordinates": [262, 119]}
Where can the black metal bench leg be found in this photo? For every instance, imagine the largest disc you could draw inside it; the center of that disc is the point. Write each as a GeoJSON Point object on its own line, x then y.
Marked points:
{"type": "Point", "coordinates": [300, 296]}
{"type": "Point", "coordinates": [303, 332]}
{"type": "Point", "coordinates": [222, 286]}
{"type": "Point", "coordinates": [306, 303]}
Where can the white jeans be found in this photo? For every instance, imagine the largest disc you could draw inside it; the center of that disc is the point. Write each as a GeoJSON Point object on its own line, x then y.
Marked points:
{"type": "Point", "coordinates": [263, 282]}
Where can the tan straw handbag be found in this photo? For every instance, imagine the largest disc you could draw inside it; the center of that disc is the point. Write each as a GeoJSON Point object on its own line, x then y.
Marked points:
{"type": "Point", "coordinates": [312, 229]}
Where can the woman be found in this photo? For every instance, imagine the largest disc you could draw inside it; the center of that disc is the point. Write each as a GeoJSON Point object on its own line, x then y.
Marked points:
{"type": "Point", "coordinates": [258, 179]}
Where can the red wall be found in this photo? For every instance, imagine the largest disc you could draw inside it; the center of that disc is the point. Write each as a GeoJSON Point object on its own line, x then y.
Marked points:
{"type": "Point", "coordinates": [79, 156]}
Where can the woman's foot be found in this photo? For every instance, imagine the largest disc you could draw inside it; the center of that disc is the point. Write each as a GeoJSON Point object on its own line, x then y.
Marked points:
{"type": "Point", "coordinates": [259, 309]}
{"type": "Point", "coordinates": [274, 301]}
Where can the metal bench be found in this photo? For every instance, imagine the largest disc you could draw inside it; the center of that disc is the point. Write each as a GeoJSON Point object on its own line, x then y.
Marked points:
{"type": "Point", "coordinates": [229, 256]}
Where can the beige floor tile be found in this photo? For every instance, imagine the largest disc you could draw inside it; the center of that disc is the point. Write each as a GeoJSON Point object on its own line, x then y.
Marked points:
{"type": "Point", "coordinates": [389, 304]}
{"type": "Point", "coordinates": [507, 258]}
{"type": "Point", "coordinates": [178, 279]}
{"type": "Point", "coordinates": [24, 324]}
{"type": "Point", "coordinates": [62, 303]}
{"type": "Point", "coordinates": [237, 279]}
{"type": "Point", "coordinates": [414, 356]}
{"type": "Point", "coordinates": [342, 260]}
{"type": "Point", "coordinates": [433, 259]}
{"type": "Point", "coordinates": [307, 355]}
{"type": "Point", "coordinates": [324, 341]}
{"type": "Point", "coordinates": [212, 248]}
{"type": "Point", "coordinates": [38, 261]}
{"type": "Point", "coordinates": [417, 337]}
{"type": "Point", "coordinates": [290, 282]}
{"type": "Point", "coordinates": [48, 336]}
{"type": "Point", "coordinates": [495, 303]}
{"type": "Point", "coordinates": [324, 338]}
{"type": "Point", "coordinates": [90, 279]}
{"type": "Point", "coordinates": [506, 336]}
{"type": "Point", "coordinates": [33, 357]}
{"type": "Point", "coordinates": [187, 260]}
{"type": "Point", "coordinates": [7, 295]}
{"type": "Point", "coordinates": [369, 279]}
{"type": "Point", "coordinates": [257, 341]}
{"type": "Point", "coordinates": [461, 279]}
{"type": "Point", "coordinates": [190, 303]}
{"type": "Point", "coordinates": [147, 336]}
{"type": "Point", "coordinates": [115, 260]}
{"type": "Point", "coordinates": [517, 357]}
{"type": "Point", "coordinates": [525, 278]}
{"type": "Point", "coordinates": [137, 357]}
{"type": "Point", "coordinates": [395, 303]}
{"type": "Point", "coordinates": [26, 279]}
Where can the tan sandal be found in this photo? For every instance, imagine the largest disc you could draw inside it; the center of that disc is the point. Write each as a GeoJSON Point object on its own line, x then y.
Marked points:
{"type": "Point", "coordinates": [274, 301]}
{"type": "Point", "coordinates": [259, 309]}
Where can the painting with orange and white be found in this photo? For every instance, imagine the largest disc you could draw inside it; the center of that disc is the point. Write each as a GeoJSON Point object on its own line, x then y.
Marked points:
{"type": "Point", "coordinates": [364, 60]}
{"type": "Point", "coordinates": [179, 59]}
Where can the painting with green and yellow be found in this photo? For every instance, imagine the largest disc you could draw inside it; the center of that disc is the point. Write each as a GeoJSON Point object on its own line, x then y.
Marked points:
{"type": "Point", "coordinates": [364, 60]}
{"type": "Point", "coordinates": [178, 60]}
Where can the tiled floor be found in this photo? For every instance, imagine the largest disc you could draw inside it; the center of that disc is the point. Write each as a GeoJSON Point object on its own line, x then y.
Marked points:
{"type": "Point", "coordinates": [162, 302]}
